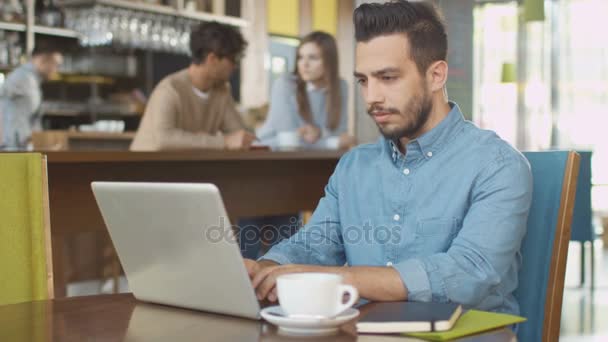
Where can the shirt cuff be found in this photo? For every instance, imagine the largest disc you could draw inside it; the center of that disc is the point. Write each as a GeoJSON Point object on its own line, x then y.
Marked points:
{"type": "Point", "coordinates": [276, 257]}
{"type": "Point", "coordinates": [416, 280]}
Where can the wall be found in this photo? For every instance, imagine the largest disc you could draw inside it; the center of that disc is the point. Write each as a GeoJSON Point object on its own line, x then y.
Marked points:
{"type": "Point", "coordinates": [254, 79]}
{"type": "Point", "coordinates": [459, 19]}
{"type": "Point", "coordinates": [293, 18]}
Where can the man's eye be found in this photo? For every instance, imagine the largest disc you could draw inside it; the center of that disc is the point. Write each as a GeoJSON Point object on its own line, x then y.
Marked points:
{"type": "Point", "coordinates": [388, 78]}
{"type": "Point", "coordinates": [361, 81]}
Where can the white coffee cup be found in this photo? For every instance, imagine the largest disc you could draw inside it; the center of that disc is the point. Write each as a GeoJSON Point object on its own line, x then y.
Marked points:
{"type": "Point", "coordinates": [288, 140]}
{"type": "Point", "coordinates": [303, 295]}
{"type": "Point", "coordinates": [332, 143]}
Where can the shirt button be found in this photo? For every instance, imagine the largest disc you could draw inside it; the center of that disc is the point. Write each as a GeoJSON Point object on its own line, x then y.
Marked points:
{"type": "Point", "coordinates": [396, 217]}
{"type": "Point", "coordinates": [389, 264]}
{"type": "Point", "coordinates": [429, 154]}
{"type": "Point", "coordinates": [406, 171]}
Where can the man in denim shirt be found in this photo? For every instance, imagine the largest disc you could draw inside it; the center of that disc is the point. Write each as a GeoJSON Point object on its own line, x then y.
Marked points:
{"type": "Point", "coordinates": [436, 209]}
{"type": "Point", "coordinates": [21, 96]}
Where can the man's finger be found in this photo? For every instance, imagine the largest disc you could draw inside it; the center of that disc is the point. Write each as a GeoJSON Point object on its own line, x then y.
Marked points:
{"type": "Point", "coordinates": [263, 290]}
{"type": "Point", "coordinates": [259, 277]}
{"type": "Point", "coordinates": [251, 267]}
{"type": "Point", "coordinates": [272, 296]}
{"type": "Point", "coordinates": [250, 139]}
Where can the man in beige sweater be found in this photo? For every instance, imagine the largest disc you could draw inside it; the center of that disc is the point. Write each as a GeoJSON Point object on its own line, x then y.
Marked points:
{"type": "Point", "coordinates": [193, 108]}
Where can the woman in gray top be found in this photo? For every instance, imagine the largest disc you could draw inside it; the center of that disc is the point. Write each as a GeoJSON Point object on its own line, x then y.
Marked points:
{"type": "Point", "coordinates": [311, 101]}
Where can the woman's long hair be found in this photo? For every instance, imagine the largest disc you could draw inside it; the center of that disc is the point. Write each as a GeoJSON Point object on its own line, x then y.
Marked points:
{"type": "Point", "coordinates": [329, 55]}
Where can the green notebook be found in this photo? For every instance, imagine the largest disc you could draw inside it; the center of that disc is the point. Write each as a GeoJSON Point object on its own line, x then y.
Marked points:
{"type": "Point", "coordinates": [472, 322]}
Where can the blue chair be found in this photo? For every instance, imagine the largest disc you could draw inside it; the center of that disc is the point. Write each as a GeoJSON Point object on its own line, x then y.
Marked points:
{"type": "Point", "coordinates": [545, 246]}
{"type": "Point", "coordinates": [582, 226]}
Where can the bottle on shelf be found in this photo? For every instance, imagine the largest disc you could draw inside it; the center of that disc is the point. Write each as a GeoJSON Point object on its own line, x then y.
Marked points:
{"type": "Point", "coordinates": [49, 14]}
{"type": "Point", "coordinates": [11, 50]}
{"type": "Point", "coordinates": [12, 11]}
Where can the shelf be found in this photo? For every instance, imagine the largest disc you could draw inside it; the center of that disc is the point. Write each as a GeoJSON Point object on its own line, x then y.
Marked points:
{"type": "Point", "coordinates": [68, 77]}
{"type": "Point", "coordinates": [233, 21]}
{"type": "Point", "coordinates": [82, 79]}
{"type": "Point", "coordinates": [85, 109]}
{"type": "Point", "coordinates": [51, 31]}
{"type": "Point", "coordinates": [56, 31]}
{"type": "Point", "coordinates": [6, 69]}
{"type": "Point", "coordinates": [12, 26]}
{"type": "Point", "coordinates": [159, 9]}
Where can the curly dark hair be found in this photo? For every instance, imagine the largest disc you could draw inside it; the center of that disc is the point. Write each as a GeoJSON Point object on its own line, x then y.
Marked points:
{"type": "Point", "coordinates": [46, 48]}
{"type": "Point", "coordinates": [212, 37]}
{"type": "Point", "coordinates": [421, 22]}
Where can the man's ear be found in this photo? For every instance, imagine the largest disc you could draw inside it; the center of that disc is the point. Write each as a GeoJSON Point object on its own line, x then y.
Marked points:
{"type": "Point", "coordinates": [437, 75]}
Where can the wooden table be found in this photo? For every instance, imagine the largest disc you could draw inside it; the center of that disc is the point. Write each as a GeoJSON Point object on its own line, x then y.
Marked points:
{"type": "Point", "coordinates": [122, 318]}
{"type": "Point", "coordinates": [252, 183]}
{"type": "Point", "coordinates": [64, 140]}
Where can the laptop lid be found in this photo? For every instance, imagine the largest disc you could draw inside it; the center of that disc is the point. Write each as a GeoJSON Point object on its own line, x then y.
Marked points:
{"type": "Point", "coordinates": [176, 246]}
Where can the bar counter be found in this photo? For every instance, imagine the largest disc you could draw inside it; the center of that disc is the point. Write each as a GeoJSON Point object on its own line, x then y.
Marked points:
{"type": "Point", "coordinates": [252, 183]}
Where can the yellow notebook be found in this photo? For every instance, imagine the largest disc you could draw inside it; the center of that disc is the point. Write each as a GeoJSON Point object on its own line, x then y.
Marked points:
{"type": "Point", "coordinates": [472, 322]}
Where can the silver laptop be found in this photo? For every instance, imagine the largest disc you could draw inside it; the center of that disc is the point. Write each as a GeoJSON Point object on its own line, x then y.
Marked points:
{"type": "Point", "coordinates": [176, 246]}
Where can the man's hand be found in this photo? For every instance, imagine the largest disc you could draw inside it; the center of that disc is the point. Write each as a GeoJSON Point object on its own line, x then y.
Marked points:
{"type": "Point", "coordinates": [254, 267]}
{"type": "Point", "coordinates": [374, 283]}
{"type": "Point", "coordinates": [265, 279]}
{"type": "Point", "coordinates": [239, 140]}
{"type": "Point", "coordinates": [310, 133]}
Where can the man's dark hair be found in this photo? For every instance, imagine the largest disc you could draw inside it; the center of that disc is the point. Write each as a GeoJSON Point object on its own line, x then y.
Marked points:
{"type": "Point", "coordinates": [420, 21]}
{"type": "Point", "coordinates": [45, 48]}
{"type": "Point", "coordinates": [223, 40]}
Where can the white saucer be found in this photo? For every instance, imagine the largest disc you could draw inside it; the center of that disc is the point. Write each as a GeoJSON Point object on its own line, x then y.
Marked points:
{"type": "Point", "coordinates": [307, 326]}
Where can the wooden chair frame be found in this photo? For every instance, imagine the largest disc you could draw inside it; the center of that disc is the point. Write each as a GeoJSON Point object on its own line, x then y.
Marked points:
{"type": "Point", "coordinates": [555, 289]}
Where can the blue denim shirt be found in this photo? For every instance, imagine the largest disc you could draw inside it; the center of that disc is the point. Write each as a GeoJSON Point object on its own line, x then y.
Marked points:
{"type": "Point", "coordinates": [449, 216]}
{"type": "Point", "coordinates": [20, 99]}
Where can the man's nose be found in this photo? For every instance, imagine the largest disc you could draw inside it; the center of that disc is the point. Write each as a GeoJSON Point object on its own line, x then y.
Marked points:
{"type": "Point", "coordinates": [375, 94]}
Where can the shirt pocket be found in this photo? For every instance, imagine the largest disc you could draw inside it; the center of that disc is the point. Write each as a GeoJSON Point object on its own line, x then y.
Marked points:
{"type": "Point", "coordinates": [435, 235]}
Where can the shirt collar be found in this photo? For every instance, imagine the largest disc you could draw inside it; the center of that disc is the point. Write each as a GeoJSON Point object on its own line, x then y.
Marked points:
{"type": "Point", "coordinates": [394, 151]}
{"type": "Point", "coordinates": [203, 95]}
{"type": "Point", "coordinates": [431, 142]}
{"type": "Point", "coordinates": [32, 69]}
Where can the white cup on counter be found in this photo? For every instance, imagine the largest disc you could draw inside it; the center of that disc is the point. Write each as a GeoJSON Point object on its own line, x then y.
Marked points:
{"type": "Point", "coordinates": [332, 143]}
{"type": "Point", "coordinates": [288, 140]}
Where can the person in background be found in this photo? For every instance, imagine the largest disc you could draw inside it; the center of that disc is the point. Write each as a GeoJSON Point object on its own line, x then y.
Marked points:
{"type": "Point", "coordinates": [311, 101]}
{"type": "Point", "coordinates": [193, 108]}
{"type": "Point", "coordinates": [21, 96]}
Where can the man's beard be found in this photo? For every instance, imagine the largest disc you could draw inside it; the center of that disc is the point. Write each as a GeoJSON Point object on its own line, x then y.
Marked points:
{"type": "Point", "coordinates": [418, 108]}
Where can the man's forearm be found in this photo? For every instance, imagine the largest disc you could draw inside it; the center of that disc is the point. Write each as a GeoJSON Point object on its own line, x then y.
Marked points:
{"type": "Point", "coordinates": [373, 283]}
